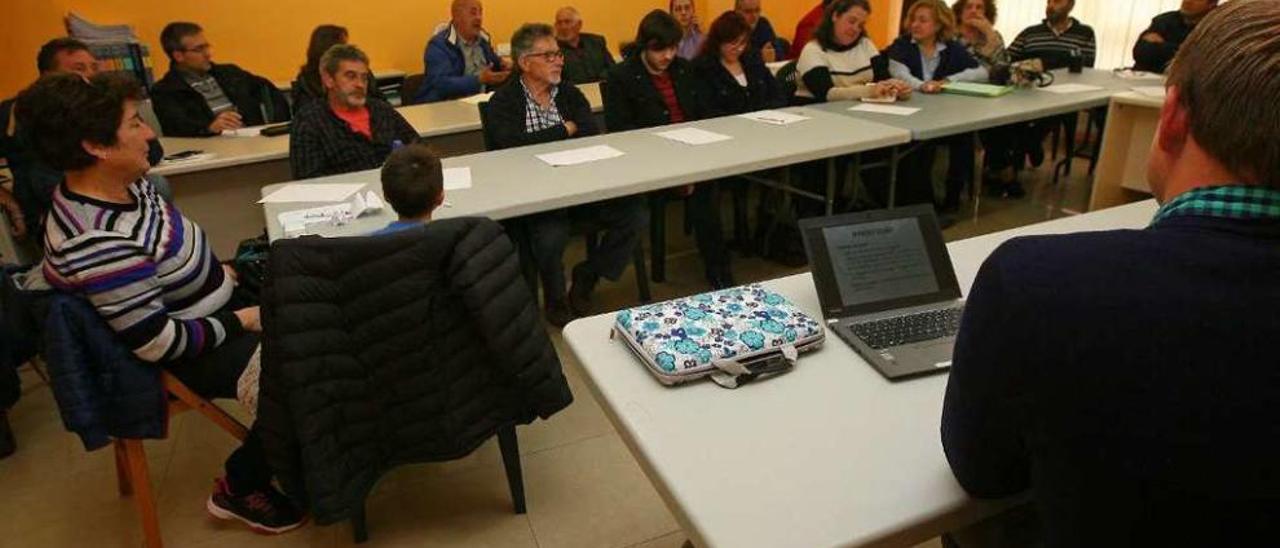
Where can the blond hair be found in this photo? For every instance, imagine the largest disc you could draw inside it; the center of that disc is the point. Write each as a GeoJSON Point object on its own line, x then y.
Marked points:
{"type": "Point", "coordinates": [941, 13]}
{"type": "Point", "coordinates": [1228, 77]}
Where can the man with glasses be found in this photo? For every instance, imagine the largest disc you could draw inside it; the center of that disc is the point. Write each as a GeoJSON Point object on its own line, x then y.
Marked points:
{"type": "Point", "coordinates": [200, 98]}
{"type": "Point", "coordinates": [539, 107]}
{"type": "Point", "coordinates": [586, 56]}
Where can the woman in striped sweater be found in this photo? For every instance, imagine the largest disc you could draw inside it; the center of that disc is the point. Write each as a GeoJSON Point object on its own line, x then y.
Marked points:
{"type": "Point", "coordinates": [148, 270]}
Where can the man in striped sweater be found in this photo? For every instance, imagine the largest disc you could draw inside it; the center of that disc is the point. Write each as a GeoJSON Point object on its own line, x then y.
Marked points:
{"type": "Point", "coordinates": [1055, 40]}
{"type": "Point", "coordinates": [149, 271]}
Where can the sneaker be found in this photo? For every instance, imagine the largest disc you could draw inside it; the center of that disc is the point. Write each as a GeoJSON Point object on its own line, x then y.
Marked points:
{"type": "Point", "coordinates": [265, 511]}
{"type": "Point", "coordinates": [7, 443]}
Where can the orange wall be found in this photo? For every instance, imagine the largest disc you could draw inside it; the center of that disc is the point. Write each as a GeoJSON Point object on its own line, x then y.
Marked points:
{"type": "Point", "coordinates": [269, 37]}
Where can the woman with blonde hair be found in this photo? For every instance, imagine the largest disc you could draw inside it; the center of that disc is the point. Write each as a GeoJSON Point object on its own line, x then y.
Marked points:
{"type": "Point", "coordinates": [928, 56]}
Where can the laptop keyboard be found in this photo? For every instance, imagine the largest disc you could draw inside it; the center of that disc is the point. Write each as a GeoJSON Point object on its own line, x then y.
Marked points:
{"type": "Point", "coordinates": [897, 331]}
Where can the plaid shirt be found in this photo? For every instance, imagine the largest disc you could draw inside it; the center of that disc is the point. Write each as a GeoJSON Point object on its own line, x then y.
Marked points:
{"type": "Point", "coordinates": [537, 118]}
{"type": "Point", "coordinates": [322, 144]}
{"type": "Point", "coordinates": [1227, 202]}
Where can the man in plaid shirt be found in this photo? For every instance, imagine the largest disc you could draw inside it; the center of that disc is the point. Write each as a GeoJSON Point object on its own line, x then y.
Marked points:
{"type": "Point", "coordinates": [350, 131]}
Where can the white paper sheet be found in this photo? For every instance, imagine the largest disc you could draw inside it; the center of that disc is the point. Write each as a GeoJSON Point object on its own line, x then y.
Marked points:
{"type": "Point", "coordinates": [693, 136]}
{"type": "Point", "coordinates": [885, 109]}
{"type": "Point", "coordinates": [1151, 91]}
{"type": "Point", "coordinates": [1130, 74]}
{"type": "Point", "coordinates": [775, 117]}
{"type": "Point", "coordinates": [457, 178]}
{"type": "Point", "coordinates": [776, 66]}
{"type": "Point", "coordinates": [1070, 88]}
{"type": "Point", "coordinates": [252, 131]}
{"type": "Point", "coordinates": [580, 155]}
{"type": "Point", "coordinates": [300, 192]}
{"type": "Point", "coordinates": [477, 99]}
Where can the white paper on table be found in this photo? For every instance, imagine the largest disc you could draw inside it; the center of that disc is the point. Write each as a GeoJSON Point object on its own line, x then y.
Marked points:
{"type": "Point", "coordinates": [580, 155]}
{"type": "Point", "coordinates": [693, 136]}
{"type": "Point", "coordinates": [885, 109]}
{"type": "Point", "coordinates": [251, 131]}
{"type": "Point", "coordinates": [360, 204]}
{"type": "Point", "coordinates": [1151, 91]}
{"type": "Point", "coordinates": [477, 99]}
{"type": "Point", "coordinates": [457, 178]}
{"type": "Point", "coordinates": [1070, 88]}
{"type": "Point", "coordinates": [776, 66]}
{"type": "Point", "coordinates": [302, 192]}
{"type": "Point", "coordinates": [775, 117]}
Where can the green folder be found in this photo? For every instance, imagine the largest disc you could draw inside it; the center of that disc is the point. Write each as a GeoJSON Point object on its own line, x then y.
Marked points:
{"type": "Point", "coordinates": [976, 90]}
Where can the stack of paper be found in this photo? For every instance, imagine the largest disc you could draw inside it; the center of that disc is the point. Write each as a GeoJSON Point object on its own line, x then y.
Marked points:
{"type": "Point", "coordinates": [580, 156]}
{"type": "Point", "coordinates": [775, 117]}
{"type": "Point", "coordinates": [885, 109]}
{"type": "Point", "coordinates": [693, 136]}
{"type": "Point", "coordinates": [362, 203]}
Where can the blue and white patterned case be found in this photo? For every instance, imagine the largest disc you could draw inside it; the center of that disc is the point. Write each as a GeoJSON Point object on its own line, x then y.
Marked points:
{"type": "Point", "coordinates": [690, 338]}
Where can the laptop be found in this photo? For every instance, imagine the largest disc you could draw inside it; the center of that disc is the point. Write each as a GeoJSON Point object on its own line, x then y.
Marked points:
{"type": "Point", "coordinates": [887, 287]}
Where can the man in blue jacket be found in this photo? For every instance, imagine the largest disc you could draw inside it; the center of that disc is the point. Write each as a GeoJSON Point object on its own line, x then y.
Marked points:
{"type": "Point", "coordinates": [1127, 379]}
{"type": "Point", "coordinates": [459, 60]}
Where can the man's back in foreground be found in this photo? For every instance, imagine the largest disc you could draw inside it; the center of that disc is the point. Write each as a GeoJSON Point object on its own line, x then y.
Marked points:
{"type": "Point", "coordinates": [1127, 379]}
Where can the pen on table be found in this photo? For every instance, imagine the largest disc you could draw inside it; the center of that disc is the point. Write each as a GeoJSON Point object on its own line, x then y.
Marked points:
{"type": "Point", "coordinates": [447, 204]}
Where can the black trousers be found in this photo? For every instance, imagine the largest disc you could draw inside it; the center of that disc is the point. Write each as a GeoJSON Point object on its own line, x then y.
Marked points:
{"type": "Point", "coordinates": [623, 220]}
{"type": "Point", "coordinates": [1000, 149]}
{"type": "Point", "coordinates": [704, 208]}
{"type": "Point", "coordinates": [915, 171]}
{"type": "Point", "coordinates": [214, 375]}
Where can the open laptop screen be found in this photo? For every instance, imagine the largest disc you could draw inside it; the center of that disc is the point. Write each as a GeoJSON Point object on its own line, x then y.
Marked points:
{"type": "Point", "coordinates": [883, 260]}
{"type": "Point", "coordinates": [879, 261]}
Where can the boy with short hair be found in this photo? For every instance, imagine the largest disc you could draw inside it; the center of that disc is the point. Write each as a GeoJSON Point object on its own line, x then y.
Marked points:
{"type": "Point", "coordinates": [413, 183]}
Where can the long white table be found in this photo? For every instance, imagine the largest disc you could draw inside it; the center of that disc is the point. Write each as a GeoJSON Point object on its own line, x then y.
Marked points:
{"type": "Point", "coordinates": [513, 182]}
{"type": "Point", "coordinates": [830, 454]}
{"type": "Point", "coordinates": [219, 192]}
{"type": "Point", "coordinates": [946, 115]}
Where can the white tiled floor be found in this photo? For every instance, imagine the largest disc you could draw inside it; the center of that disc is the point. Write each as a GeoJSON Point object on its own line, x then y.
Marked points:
{"type": "Point", "coordinates": [583, 487]}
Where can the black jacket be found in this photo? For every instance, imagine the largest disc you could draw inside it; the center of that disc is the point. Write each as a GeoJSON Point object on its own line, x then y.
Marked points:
{"type": "Point", "coordinates": [322, 144]}
{"type": "Point", "coordinates": [1156, 57]}
{"type": "Point", "coordinates": [1128, 380]}
{"type": "Point", "coordinates": [589, 62]}
{"type": "Point", "coordinates": [183, 111]}
{"type": "Point", "coordinates": [720, 94]}
{"type": "Point", "coordinates": [632, 102]}
{"type": "Point", "coordinates": [507, 111]}
{"type": "Point", "coordinates": [380, 351]}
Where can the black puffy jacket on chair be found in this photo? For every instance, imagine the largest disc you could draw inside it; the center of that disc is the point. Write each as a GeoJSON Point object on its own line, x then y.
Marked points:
{"type": "Point", "coordinates": [379, 351]}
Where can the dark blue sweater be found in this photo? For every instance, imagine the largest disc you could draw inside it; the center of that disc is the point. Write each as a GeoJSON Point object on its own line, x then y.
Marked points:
{"type": "Point", "coordinates": [954, 59]}
{"type": "Point", "coordinates": [1129, 380]}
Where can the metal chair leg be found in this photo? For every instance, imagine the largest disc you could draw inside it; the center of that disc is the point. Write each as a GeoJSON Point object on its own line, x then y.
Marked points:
{"type": "Point", "coordinates": [510, 448]}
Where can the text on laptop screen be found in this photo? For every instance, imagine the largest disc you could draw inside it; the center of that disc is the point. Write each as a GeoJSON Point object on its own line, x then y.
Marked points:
{"type": "Point", "coordinates": [880, 261]}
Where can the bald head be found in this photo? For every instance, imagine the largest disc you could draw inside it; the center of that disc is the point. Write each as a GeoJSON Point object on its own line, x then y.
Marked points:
{"type": "Point", "coordinates": [468, 18]}
{"type": "Point", "coordinates": [749, 9]}
{"type": "Point", "coordinates": [568, 25]}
